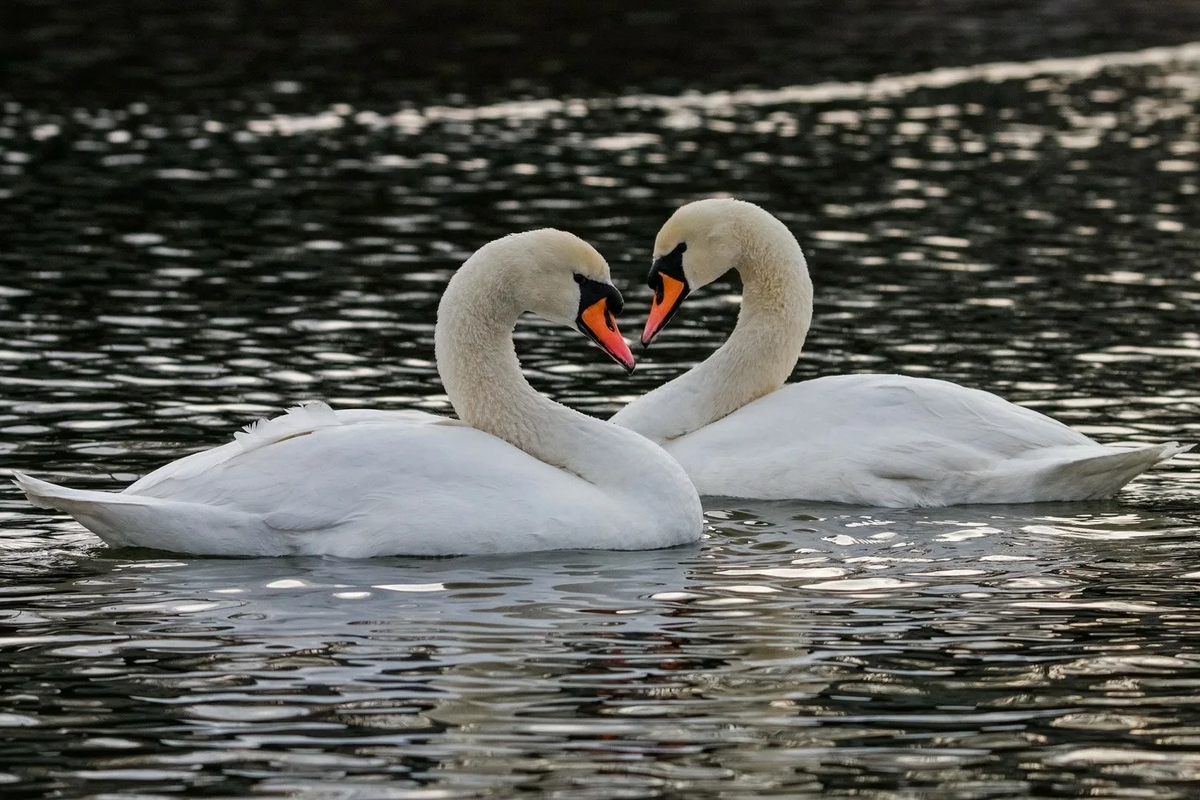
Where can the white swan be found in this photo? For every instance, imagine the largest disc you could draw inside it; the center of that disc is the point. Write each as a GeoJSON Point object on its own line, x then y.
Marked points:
{"type": "Point", "coordinates": [881, 440]}
{"type": "Point", "coordinates": [518, 473]}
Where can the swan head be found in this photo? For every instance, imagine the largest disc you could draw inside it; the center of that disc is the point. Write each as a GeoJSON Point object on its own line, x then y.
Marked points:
{"type": "Point", "coordinates": [561, 278]}
{"type": "Point", "coordinates": [697, 245]}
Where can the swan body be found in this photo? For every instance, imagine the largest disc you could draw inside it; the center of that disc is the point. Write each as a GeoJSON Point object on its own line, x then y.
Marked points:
{"type": "Point", "coordinates": [870, 440]}
{"type": "Point", "coordinates": [879, 440]}
{"type": "Point", "coordinates": [517, 473]}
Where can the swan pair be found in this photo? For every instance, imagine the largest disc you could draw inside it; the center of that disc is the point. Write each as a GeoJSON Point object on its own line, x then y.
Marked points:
{"type": "Point", "coordinates": [519, 472]}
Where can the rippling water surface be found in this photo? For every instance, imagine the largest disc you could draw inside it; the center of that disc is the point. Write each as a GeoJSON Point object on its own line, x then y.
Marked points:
{"type": "Point", "coordinates": [1029, 228]}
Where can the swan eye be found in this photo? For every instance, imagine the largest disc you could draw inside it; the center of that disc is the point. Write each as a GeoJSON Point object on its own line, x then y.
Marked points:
{"type": "Point", "coordinates": [670, 264]}
{"type": "Point", "coordinates": [592, 290]}
{"type": "Point", "coordinates": [579, 278]}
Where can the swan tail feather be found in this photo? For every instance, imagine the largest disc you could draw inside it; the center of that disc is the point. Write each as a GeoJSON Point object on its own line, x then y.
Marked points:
{"type": "Point", "coordinates": [44, 494]}
{"type": "Point", "coordinates": [130, 520]}
{"type": "Point", "coordinates": [1101, 476]}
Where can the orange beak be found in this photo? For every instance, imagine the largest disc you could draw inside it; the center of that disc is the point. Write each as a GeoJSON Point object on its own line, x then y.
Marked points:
{"type": "Point", "coordinates": [666, 302]}
{"type": "Point", "coordinates": [597, 322]}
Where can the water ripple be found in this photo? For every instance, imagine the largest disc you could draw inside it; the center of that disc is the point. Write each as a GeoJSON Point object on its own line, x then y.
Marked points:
{"type": "Point", "coordinates": [1024, 228]}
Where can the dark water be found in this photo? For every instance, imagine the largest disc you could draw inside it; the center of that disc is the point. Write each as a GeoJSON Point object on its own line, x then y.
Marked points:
{"type": "Point", "coordinates": [170, 274]}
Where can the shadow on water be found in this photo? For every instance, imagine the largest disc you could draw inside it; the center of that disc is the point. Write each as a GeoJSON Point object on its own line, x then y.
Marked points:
{"type": "Point", "coordinates": [195, 254]}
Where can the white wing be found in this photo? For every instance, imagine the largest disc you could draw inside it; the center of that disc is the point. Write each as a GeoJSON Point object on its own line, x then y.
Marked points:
{"type": "Point", "coordinates": [354, 483]}
{"type": "Point", "coordinates": [302, 419]}
{"type": "Point", "coordinates": [891, 440]}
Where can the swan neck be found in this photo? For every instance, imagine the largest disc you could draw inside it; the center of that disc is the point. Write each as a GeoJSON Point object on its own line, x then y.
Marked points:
{"type": "Point", "coordinates": [776, 307]}
{"type": "Point", "coordinates": [759, 355]}
{"type": "Point", "coordinates": [483, 380]}
{"type": "Point", "coordinates": [478, 363]}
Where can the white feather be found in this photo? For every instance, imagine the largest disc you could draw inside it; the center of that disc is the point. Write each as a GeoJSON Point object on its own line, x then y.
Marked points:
{"type": "Point", "coordinates": [880, 440]}
{"type": "Point", "coordinates": [525, 474]}
{"type": "Point", "coordinates": [302, 419]}
{"type": "Point", "coordinates": [890, 440]}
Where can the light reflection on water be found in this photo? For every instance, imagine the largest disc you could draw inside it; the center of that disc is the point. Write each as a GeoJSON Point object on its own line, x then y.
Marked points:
{"type": "Point", "coordinates": [1026, 229]}
{"type": "Point", "coordinates": [854, 647]}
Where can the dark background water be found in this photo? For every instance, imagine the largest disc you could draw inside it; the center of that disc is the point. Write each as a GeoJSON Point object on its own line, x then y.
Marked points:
{"type": "Point", "coordinates": [213, 211]}
{"type": "Point", "coordinates": [212, 52]}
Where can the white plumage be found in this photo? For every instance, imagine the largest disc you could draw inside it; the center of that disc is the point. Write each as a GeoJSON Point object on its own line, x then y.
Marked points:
{"type": "Point", "coordinates": [889, 440]}
{"type": "Point", "coordinates": [519, 473]}
{"type": "Point", "coordinates": [880, 440]}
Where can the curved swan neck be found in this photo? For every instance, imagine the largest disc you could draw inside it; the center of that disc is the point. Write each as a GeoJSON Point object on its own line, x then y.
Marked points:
{"type": "Point", "coordinates": [759, 355]}
{"type": "Point", "coordinates": [478, 363]}
{"type": "Point", "coordinates": [482, 376]}
{"type": "Point", "coordinates": [776, 311]}
{"type": "Point", "coordinates": [476, 359]}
